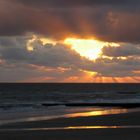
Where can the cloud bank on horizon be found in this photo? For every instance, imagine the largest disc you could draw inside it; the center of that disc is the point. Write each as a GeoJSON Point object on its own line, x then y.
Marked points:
{"type": "Point", "coordinates": [106, 20]}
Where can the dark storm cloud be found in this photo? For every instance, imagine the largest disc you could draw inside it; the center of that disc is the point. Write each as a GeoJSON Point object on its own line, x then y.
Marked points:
{"type": "Point", "coordinates": [105, 19]}
{"type": "Point", "coordinates": [122, 51]}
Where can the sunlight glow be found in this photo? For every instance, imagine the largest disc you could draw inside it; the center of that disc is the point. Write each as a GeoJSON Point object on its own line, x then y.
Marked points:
{"type": "Point", "coordinates": [47, 41]}
{"type": "Point", "coordinates": [88, 48]}
{"type": "Point", "coordinates": [29, 45]}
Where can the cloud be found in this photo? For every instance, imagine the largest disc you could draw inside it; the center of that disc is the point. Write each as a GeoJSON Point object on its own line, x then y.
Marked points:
{"type": "Point", "coordinates": [107, 20]}
{"type": "Point", "coordinates": [49, 55]}
{"type": "Point", "coordinates": [58, 62]}
{"type": "Point", "coordinates": [124, 50]}
{"type": "Point", "coordinates": [32, 73]}
{"type": "Point", "coordinates": [116, 67]}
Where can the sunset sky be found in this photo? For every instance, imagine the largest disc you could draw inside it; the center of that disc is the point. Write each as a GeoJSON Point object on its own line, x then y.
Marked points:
{"type": "Point", "coordinates": [70, 41]}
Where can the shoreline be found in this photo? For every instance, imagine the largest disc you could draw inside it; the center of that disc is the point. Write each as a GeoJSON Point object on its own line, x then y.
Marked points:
{"type": "Point", "coordinates": [81, 119]}
{"type": "Point", "coordinates": [115, 126]}
{"type": "Point", "coordinates": [123, 105]}
{"type": "Point", "coordinates": [82, 113]}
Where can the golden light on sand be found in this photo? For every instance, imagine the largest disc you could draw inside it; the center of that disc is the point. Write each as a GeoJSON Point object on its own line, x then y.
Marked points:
{"type": "Point", "coordinates": [89, 48]}
{"type": "Point", "coordinates": [98, 113]}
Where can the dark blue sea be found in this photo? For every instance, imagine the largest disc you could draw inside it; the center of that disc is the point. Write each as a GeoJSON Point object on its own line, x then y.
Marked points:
{"type": "Point", "coordinates": [20, 101]}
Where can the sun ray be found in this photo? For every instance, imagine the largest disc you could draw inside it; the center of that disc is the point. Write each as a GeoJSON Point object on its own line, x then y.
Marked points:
{"type": "Point", "coordinates": [100, 79]}
{"type": "Point", "coordinates": [97, 79]}
{"type": "Point", "coordinates": [94, 79]}
{"type": "Point", "coordinates": [115, 80]}
{"type": "Point", "coordinates": [136, 78]}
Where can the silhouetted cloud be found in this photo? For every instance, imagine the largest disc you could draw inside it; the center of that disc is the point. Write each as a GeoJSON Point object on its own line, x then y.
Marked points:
{"type": "Point", "coordinates": [123, 50]}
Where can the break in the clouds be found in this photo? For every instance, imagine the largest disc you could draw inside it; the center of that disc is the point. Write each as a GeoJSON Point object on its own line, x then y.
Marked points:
{"type": "Point", "coordinates": [107, 20]}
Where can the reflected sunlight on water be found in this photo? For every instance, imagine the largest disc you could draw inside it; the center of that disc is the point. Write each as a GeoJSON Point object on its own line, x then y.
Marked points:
{"type": "Point", "coordinates": [98, 113]}
{"type": "Point", "coordinates": [71, 115]}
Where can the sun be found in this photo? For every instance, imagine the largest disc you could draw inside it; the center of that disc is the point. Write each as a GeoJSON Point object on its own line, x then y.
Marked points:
{"type": "Point", "coordinates": [89, 48]}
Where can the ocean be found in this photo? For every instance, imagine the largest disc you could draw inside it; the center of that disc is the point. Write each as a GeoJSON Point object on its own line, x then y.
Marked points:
{"type": "Point", "coordinates": [47, 100]}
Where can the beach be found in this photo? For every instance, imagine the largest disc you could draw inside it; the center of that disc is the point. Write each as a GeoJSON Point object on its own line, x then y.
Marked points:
{"type": "Point", "coordinates": [69, 111]}
{"type": "Point", "coordinates": [123, 125]}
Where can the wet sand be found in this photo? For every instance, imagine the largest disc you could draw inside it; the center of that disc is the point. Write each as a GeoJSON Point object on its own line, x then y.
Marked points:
{"type": "Point", "coordinates": [110, 127]}
{"type": "Point", "coordinates": [94, 134]}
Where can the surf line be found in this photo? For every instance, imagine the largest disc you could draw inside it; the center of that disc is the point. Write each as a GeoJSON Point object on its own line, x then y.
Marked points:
{"type": "Point", "coordinates": [71, 128]}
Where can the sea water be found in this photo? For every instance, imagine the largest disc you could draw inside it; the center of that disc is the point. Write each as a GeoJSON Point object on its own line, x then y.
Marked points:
{"type": "Point", "coordinates": [20, 102]}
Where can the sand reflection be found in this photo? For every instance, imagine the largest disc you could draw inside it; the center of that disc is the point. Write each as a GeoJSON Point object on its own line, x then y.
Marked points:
{"type": "Point", "coordinates": [98, 113]}
{"type": "Point", "coordinates": [71, 128]}
{"type": "Point", "coordinates": [71, 115]}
